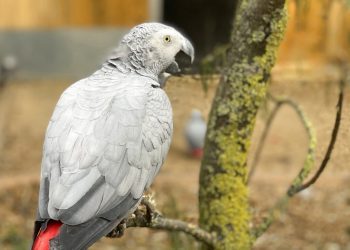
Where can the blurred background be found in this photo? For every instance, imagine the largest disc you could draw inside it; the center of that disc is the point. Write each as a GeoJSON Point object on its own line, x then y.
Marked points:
{"type": "Point", "coordinates": [46, 45]}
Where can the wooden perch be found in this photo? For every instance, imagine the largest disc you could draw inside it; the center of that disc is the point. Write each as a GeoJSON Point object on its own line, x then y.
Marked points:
{"type": "Point", "coordinates": [147, 215]}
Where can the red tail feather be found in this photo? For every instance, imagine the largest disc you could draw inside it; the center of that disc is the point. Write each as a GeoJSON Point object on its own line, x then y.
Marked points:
{"type": "Point", "coordinates": [197, 153]}
{"type": "Point", "coordinates": [44, 236]}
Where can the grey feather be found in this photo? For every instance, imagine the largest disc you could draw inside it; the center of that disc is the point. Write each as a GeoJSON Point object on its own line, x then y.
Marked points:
{"type": "Point", "coordinates": [107, 139]}
{"type": "Point", "coordinates": [126, 184]}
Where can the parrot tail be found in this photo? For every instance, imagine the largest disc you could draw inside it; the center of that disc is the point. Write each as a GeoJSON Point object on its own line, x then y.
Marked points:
{"type": "Point", "coordinates": [82, 236]}
{"type": "Point", "coordinates": [58, 236]}
{"type": "Point", "coordinates": [43, 237]}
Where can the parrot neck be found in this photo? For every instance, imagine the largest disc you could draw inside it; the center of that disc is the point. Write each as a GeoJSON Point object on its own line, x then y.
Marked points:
{"type": "Point", "coordinates": [125, 68]}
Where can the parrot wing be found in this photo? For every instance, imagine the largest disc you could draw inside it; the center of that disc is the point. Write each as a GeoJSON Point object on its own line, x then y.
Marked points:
{"type": "Point", "coordinates": [105, 143]}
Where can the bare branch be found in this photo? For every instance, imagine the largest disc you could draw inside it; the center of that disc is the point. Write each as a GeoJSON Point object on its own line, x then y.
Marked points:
{"type": "Point", "coordinates": [303, 173]}
{"type": "Point", "coordinates": [310, 157]}
{"type": "Point", "coordinates": [263, 139]}
{"type": "Point", "coordinates": [279, 102]}
{"type": "Point", "coordinates": [297, 185]}
{"type": "Point", "coordinates": [146, 215]}
{"type": "Point", "coordinates": [330, 145]}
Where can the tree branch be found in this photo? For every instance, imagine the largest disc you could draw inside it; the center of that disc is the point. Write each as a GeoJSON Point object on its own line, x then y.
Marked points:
{"type": "Point", "coordinates": [147, 215]}
{"type": "Point", "coordinates": [330, 145]}
{"type": "Point", "coordinates": [263, 139]}
{"type": "Point", "coordinates": [297, 184]}
{"type": "Point", "coordinates": [257, 32]}
{"type": "Point", "coordinates": [279, 102]}
{"type": "Point", "coordinates": [304, 172]}
{"type": "Point", "coordinates": [310, 157]}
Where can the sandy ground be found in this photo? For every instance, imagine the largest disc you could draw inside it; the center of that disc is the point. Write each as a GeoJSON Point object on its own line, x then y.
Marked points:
{"type": "Point", "coordinates": [316, 219]}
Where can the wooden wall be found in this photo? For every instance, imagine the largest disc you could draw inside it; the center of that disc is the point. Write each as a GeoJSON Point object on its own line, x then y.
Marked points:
{"type": "Point", "coordinates": [38, 14]}
{"type": "Point", "coordinates": [319, 32]}
{"type": "Point", "coordinates": [316, 33]}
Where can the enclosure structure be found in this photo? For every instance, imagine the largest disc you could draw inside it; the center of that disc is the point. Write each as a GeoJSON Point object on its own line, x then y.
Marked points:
{"type": "Point", "coordinates": [76, 36]}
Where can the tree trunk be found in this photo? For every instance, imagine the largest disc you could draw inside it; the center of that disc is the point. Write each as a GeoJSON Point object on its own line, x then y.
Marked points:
{"type": "Point", "coordinates": [223, 196]}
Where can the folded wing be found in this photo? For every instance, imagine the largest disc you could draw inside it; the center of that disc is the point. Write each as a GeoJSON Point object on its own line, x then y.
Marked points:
{"type": "Point", "coordinates": [106, 141]}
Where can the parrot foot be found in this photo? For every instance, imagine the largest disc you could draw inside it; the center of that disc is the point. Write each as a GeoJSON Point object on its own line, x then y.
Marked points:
{"type": "Point", "coordinates": [118, 231]}
{"type": "Point", "coordinates": [151, 210]}
{"type": "Point", "coordinates": [143, 216]}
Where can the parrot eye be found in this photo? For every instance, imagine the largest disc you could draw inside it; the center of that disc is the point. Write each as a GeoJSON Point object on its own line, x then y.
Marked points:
{"type": "Point", "coordinates": [167, 39]}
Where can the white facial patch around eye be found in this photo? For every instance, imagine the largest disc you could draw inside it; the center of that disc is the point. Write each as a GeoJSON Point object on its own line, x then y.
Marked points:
{"type": "Point", "coordinates": [167, 39]}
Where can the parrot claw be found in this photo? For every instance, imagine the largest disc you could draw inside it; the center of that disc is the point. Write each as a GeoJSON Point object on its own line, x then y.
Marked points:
{"type": "Point", "coordinates": [150, 207]}
{"type": "Point", "coordinates": [118, 231]}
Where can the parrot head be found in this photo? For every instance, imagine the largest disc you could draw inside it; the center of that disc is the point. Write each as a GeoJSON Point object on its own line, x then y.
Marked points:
{"type": "Point", "coordinates": [154, 49]}
{"type": "Point", "coordinates": [196, 115]}
{"type": "Point", "coordinates": [171, 48]}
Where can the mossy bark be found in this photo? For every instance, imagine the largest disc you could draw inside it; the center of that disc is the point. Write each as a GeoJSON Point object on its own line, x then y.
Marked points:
{"type": "Point", "coordinates": [223, 196]}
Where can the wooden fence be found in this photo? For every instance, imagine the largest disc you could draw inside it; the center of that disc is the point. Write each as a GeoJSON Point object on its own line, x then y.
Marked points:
{"type": "Point", "coordinates": [29, 14]}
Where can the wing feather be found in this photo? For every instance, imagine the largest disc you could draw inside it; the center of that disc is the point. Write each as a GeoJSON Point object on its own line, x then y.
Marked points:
{"type": "Point", "coordinates": [126, 184]}
{"type": "Point", "coordinates": [115, 173]}
{"type": "Point", "coordinates": [119, 131]}
{"type": "Point", "coordinates": [65, 196]}
{"type": "Point", "coordinates": [139, 185]}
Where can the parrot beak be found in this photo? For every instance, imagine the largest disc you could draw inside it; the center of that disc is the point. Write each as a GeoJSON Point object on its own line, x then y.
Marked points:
{"type": "Point", "coordinates": [188, 49]}
{"type": "Point", "coordinates": [173, 69]}
{"type": "Point", "coordinates": [183, 59]}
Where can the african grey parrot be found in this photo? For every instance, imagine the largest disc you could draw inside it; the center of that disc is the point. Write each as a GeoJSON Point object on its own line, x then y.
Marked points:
{"type": "Point", "coordinates": [195, 133]}
{"type": "Point", "coordinates": [7, 67]}
{"type": "Point", "coordinates": [107, 139]}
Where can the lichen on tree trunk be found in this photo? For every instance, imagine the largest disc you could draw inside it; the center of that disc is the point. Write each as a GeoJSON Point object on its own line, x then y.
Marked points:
{"type": "Point", "coordinates": [223, 196]}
